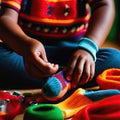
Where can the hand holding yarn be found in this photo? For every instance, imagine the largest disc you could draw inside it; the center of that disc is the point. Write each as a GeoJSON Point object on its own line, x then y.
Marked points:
{"type": "Point", "coordinates": [55, 87]}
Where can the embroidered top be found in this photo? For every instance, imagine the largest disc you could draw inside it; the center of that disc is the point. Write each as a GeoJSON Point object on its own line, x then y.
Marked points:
{"type": "Point", "coordinates": [52, 18]}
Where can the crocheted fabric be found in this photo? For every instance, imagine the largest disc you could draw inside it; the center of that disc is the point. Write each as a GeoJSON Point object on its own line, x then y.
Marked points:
{"type": "Point", "coordinates": [106, 109]}
{"type": "Point", "coordinates": [109, 79]}
{"type": "Point", "coordinates": [55, 87]}
{"type": "Point", "coordinates": [52, 18]}
{"type": "Point", "coordinates": [82, 98]}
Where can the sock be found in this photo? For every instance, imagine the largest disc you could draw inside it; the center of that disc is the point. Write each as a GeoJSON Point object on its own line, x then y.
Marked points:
{"type": "Point", "coordinates": [55, 87]}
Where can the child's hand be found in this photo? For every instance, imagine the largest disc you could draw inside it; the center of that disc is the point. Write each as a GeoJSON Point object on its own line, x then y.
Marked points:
{"type": "Point", "coordinates": [80, 69]}
{"type": "Point", "coordinates": [36, 62]}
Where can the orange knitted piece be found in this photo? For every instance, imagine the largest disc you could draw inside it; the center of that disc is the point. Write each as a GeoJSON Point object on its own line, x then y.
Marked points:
{"type": "Point", "coordinates": [74, 103]}
{"type": "Point", "coordinates": [109, 79]}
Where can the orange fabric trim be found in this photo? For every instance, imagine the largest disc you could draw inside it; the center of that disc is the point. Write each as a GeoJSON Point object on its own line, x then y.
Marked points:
{"type": "Point", "coordinates": [74, 103]}
{"type": "Point", "coordinates": [11, 3]}
{"type": "Point", "coordinates": [54, 21]}
{"type": "Point", "coordinates": [109, 79]}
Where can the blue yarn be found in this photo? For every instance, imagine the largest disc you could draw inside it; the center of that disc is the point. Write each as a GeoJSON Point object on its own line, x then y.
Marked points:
{"type": "Point", "coordinates": [52, 87]}
{"type": "Point", "coordinates": [100, 94]}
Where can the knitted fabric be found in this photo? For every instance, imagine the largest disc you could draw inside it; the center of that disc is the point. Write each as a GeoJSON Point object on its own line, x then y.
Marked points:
{"type": "Point", "coordinates": [52, 18]}
{"type": "Point", "coordinates": [106, 109]}
{"type": "Point", "coordinates": [109, 79]}
{"type": "Point", "coordinates": [55, 87]}
{"type": "Point", "coordinates": [82, 98]}
{"type": "Point", "coordinates": [13, 4]}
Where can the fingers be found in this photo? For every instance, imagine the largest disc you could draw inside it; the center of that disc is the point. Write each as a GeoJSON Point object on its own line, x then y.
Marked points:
{"type": "Point", "coordinates": [80, 72]}
{"type": "Point", "coordinates": [70, 68]}
{"type": "Point", "coordinates": [77, 73]}
{"type": "Point", "coordinates": [40, 62]}
{"type": "Point", "coordinates": [36, 62]}
{"type": "Point", "coordinates": [88, 73]}
{"type": "Point", "coordinates": [39, 68]}
{"type": "Point", "coordinates": [48, 67]}
{"type": "Point", "coordinates": [43, 55]}
{"type": "Point", "coordinates": [39, 73]}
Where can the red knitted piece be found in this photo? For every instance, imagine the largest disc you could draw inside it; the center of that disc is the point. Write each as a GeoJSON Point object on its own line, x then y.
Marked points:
{"type": "Point", "coordinates": [106, 109]}
{"type": "Point", "coordinates": [13, 106]}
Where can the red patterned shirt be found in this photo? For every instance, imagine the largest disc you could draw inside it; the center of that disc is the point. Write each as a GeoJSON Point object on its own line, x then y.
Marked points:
{"type": "Point", "coordinates": [52, 18]}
